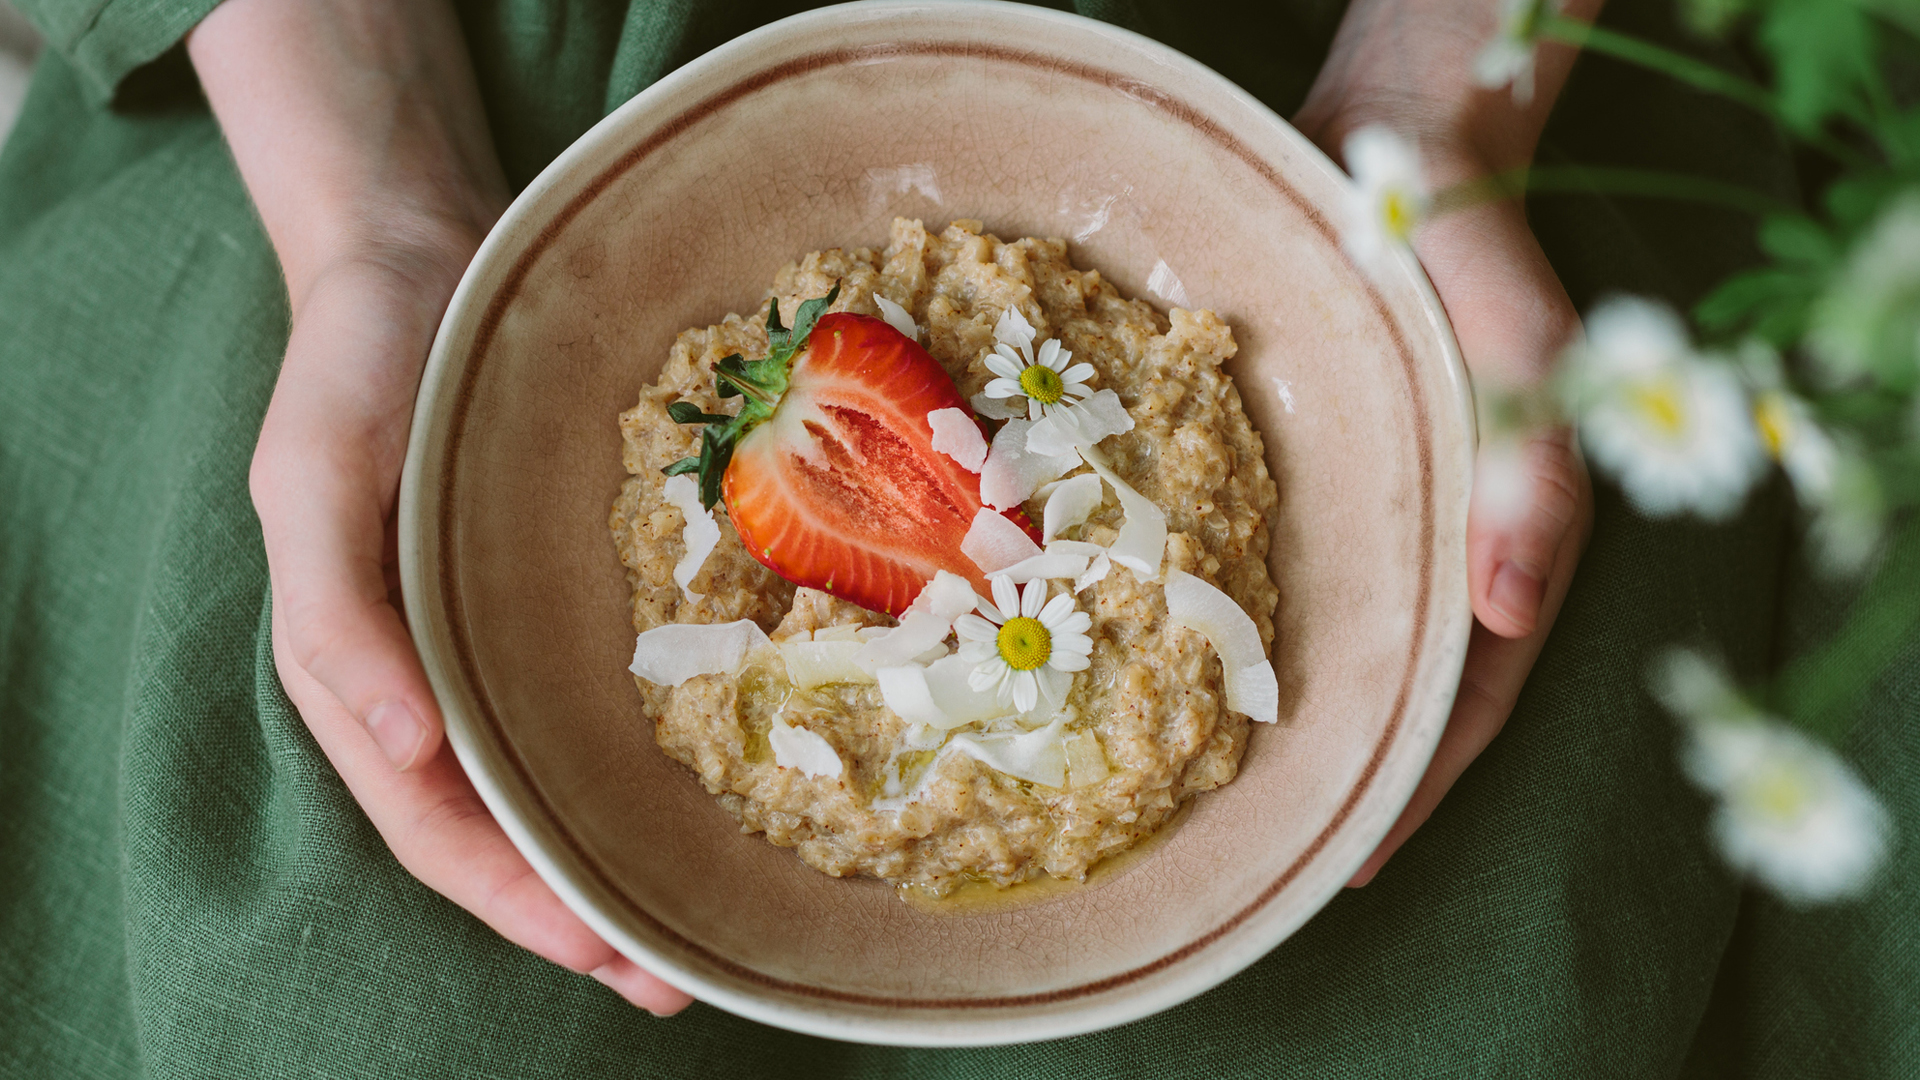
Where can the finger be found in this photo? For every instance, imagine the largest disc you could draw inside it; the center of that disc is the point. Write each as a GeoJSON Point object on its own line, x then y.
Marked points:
{"type": "Point", "coordinates": [1526, 502]}
{"type": "Point", "coordinates": [441, 833]}
{"type": "Point", "coordinates": [1491, 678]}
{"type": "Point", "coordinates": [324, 478]}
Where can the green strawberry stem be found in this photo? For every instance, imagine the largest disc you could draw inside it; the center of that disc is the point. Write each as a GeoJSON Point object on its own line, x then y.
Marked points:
{"type": "Point", "coordinates": [761, 382]}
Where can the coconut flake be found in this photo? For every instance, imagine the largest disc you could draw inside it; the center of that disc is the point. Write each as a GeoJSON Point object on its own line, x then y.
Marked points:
{"type": "Point", "coordinates": [897, 317]}
{"type": "Point", "coordinates": [1097, 571]}
{"type": "Point", "coordinates": [938, 695]}
{"type": "Point", "coordinates": [904, 689]}
{"type": "Point", "coordinates": [1046, 565]}
{"type": "Point", "coordinates": [1079, 425]}
{"type": "Point", "coordinates": [1142, 543]}
{"type": "Point", "coordinates": [994, 543]}
{"type": "Point", "coordinates": [1252, 687]}
{"type": "Point", "coordinates": [1010, 474]}
{"type": "Point", "coordinates": [700, 533]}
{"type": "Point", "coordinates": [997, 408]}
{"type": "Point", "coordinates": [1013, 330]}
{"type": "Point", "coordinates": [1034, 756]}
{"type": "Point", "coordinates": [671, 654]}
{"type": "Point", "coordinates": [1069, 503]}
{"type": "Point", "coordinates": [798, 748]}
{"type": "Point", "coordinates": [956, 435]}
{"type": "Point", "coordinates": [819, 663]}
{"type": "Point", "coordinates": [1086, 762]}
{"type": "Point", "coordinates": [926, 622]}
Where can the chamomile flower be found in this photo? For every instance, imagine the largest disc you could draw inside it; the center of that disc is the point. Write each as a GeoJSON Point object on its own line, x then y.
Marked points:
{"type": "Point", "coordinates": [1389, 197]}
{"type": "Point", "coordinates": [1043, 380]}
{"type": "Point", "coordinates": [1508, 58]}
{"type": "Point", "coordinates": [1790, 812]}
{"type": "Point", "coordinates": [1673, 427]}
{"type": "Point", "coordinates": [1023, 645]}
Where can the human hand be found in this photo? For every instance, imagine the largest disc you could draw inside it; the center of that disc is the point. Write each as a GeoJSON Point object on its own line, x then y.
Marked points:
{"type": "Point", "coordinates": [358, 130]}
{"type": "Point", "coordinates": [1406, 64]}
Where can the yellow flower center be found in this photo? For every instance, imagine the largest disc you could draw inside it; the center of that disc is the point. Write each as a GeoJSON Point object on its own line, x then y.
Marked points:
{"type": "Point", "coordinates": [1042, 384]}
{"type": "Point", "coordinates": [1398, 213]}
{"type": "Point", "coordinates": [1025, 643]}
{"type": "Point", "coordinates": [1770, 415]}
{"type": "Point", "coordinates": [1659, 402]}
{"type": "Point", "coordinates": [1779, 794]}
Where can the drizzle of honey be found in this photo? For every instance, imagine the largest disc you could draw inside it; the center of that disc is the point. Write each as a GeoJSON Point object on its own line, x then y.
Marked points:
{"type": "Point", "coordinates": [982, 897]}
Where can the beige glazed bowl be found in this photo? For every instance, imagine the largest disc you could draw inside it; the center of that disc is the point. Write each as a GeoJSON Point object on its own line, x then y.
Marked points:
{"type": "Point", "coordinates": [814, 133]}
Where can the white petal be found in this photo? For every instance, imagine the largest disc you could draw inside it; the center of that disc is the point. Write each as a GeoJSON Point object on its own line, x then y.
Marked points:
{"type": "Point", "coordinates": [957, 435]}
{"type": "Point", "coordinates": [975, 628]}
{"type": "Point", "coordinates": [897, 317]}
{"type": "Point", "coordinates": [1073, 641]}
{"type": "Point", "coordinates": [1055, 612]}
{"type": "Point", "coordinates": [1006, 388]}
{"type": "Point", "coordinates": [1072, 501]}
{"type": "Point", "coordinates": [1078, 373]}
{"type": "Point", "coordinates": [994, 543]}
{"type": "Point", "coordinates": [1026, 690]}
{"type": "Point", "coordinates": [1006, 596]}
{"type": "Point", "coordinates": [1142, 543]}
{"type": "Point", "coordinates": [975, 652]}
{"type": "Point", "coordinates": [671, 654]}
{"type": "Point", "coordinates": [798, 748]}
{"type": "Point", "coordinates": [1053, 357]}
{"type": "Point", "coordinates": [1054, 685]}
{"type": "Point", "coordinates": [1032, 598]}
{"type": "Point", "coordinates": [1076, 623]}
{"type": "Point", "coordinates": [700, 533]}
{"type": "Point", "coordinates": [1003, 362]}
{"type": "Point", "coordinates": [1011, 473]}
{"type": "Point", "coordinates": [1047, 565]}
{"type": "Point", "coordinates": [948, 681]}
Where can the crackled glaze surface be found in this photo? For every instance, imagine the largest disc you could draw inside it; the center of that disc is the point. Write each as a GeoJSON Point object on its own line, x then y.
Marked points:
{"type": "Point", "coordinates": [665, 216]}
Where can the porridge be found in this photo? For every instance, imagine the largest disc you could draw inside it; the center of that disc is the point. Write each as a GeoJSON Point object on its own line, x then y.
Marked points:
{"type": "Point", "coordinates": [956, 651]}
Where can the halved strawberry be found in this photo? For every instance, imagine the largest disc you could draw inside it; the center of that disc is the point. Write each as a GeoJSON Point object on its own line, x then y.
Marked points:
{"type": "Point", "coordinates": [829, 470]}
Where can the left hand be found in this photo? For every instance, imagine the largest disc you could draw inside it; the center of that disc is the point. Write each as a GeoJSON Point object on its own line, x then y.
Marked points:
{"type": "Point", "coordinates": [1406, 64]}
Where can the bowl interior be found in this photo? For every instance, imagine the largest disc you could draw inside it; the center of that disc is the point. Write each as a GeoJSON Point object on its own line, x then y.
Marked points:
{"type": "Point", "coordinates": [816, 133]}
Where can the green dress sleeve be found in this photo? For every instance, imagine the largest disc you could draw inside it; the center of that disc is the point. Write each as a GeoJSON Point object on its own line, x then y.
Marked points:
{"type": "Point", "coordinates": [106, 40]}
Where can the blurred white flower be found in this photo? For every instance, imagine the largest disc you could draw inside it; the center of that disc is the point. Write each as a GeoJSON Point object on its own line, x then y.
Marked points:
{"type": "Point", "coordinates": [1389, 197]}
{"type": "Point", "coordinates": [1869, 319]}
{"type": "Point", "coordinates": [1851, 520]}
{"type": "Point", "coordinates": [1508, 58]}
{"type": "Point", "coordinates": [1672, 426]}
{"type": "Point", "coordinates": [1790, 813]}
{"type": "Point", "coordinates": [1026, 646]}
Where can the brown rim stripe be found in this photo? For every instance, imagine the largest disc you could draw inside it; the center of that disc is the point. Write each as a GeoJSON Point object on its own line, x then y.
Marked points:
{"type": "Point", "coordinates": [489, 326]}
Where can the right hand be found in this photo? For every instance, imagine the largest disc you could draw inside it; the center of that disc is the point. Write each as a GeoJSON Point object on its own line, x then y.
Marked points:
{"type": "Point", "coordinates": [358, 131]}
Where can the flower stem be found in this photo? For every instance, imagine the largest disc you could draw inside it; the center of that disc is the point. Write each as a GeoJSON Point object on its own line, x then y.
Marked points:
{"type": "Point", "coordinates": [1595, 180]}
{"type": "Point", "coordinates": [1695, 73]}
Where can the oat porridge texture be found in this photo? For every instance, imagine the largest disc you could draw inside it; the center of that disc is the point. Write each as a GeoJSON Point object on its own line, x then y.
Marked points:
{"type": "Point", "coordinates": [1153, 693]}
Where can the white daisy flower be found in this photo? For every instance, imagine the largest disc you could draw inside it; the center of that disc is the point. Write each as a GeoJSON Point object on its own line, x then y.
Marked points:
{"type": "Point", "coordinates": [1790, 813]}
{"type": "Point", "coordinates": [1389, 197]}
{"type": "Point", "coordinates": [1508, 58]}
{"type": "Point", "coordinates": [1026, 645]}
{"type": "Point", "coordinates": [1674, 428]}
{"type": "Point", "coordinates": [1043, 380]}
{"type": "Point", "coordinates": [1787, 428]}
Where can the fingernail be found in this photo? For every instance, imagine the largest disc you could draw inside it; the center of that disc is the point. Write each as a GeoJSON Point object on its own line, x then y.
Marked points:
{"type": "Point", "coordinates": [1516, 594]}
{"type": "Point", "coordinates": [397, 730]}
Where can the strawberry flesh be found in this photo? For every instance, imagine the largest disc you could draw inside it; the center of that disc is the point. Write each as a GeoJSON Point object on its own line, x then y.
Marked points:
{"type": "Point", "coordinates": [841, 488]}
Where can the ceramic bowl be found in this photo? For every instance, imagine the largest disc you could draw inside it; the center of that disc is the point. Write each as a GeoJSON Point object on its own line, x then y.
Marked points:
{"type": "Point", "coordinates": [815, 132]}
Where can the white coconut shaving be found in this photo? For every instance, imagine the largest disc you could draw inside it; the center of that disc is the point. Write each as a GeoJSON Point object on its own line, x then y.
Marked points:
{"type": "Point", "coordinates": [799, 748]}
{"type": "Point", "coordinates": [938, 695]}
{"type": "Point", "coordinates": [1079, 425]}
{"type": "Point", "coordinates": [1252, 687]}
{"type": "Point", "coordinates": [1037, 756]}
{"type": "Point", "coordinates": [1086, 761]}
{"type": "Point", "coordinates": [670, 655]}
{"type": "Point", "coordinates": [822, 663]}
{"type": "Point", "coordinates": [998, 408]}
{"type": "Point", "coordinates": [1070, 503]}
{"type": "Point", "coordinates": [956, 435]}
{"type": "Point", "coordinates": [1014, 331]}
{"type": "Point", "coordinates": [994, 543]}
{"type": "Point", "coordinates": [926, 622]}
{"type": "Point", "coordinates": [1142, 543]}
{"type": "Point", "coordinates": [1011, 474]}
{"type": "Point", "coordinates": [1097, 571]}
{"type": "Point", "coordinates": [700, 533]}
{"type": "Point", "coordinates": [1046, 566]}
{"type": "Point", "coordinates": [897, 317]}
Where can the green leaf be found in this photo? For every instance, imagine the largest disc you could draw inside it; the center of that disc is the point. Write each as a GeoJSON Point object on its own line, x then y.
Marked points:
{"type": "Point", "coordinates": [1823, 53]}
{"type": "Point", "coordinates": [686, 412]}
{"type": "Point", "coordinates": [1820, 690]}
{"type": "Point", "coordinates": [1796, 238]}
{"type": "Point", "coordinates": [1771, 296]}
{"type": "Point", "coordinates": [684, 465]}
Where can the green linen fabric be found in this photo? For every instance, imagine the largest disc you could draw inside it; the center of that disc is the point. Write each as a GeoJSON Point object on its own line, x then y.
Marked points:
{"type": "Point", "coordinates": [187, 890]}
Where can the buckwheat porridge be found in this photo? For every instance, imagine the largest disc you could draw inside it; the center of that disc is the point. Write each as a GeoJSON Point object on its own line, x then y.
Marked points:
{"type": "Point", "coordinates": [938, 587]}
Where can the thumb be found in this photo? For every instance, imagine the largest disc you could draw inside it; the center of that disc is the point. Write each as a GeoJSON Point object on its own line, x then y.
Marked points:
{"type": "Point", "coordinates": [1531, 509]}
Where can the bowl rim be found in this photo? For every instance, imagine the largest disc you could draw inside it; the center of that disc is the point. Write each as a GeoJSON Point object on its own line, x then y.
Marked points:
{"type": "Point", "coordinates": [1001, 1022]}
